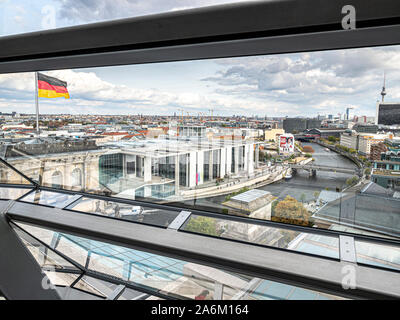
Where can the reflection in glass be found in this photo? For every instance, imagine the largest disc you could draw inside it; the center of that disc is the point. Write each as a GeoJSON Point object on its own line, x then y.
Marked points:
{"type": "Point", "coordinates": [264, 235]}
{"type": "Point", "coordinates": [171, 277]}
{"type": "Point", "coordinates": [7, 175]}
{"type": "Point", "coordinates": [231, 136]}
{"type": "Point", "coordinates": [137, 213]}
{"type": "Point", "coordinates": [49, 198]}
{"type": "Point", "coordinates": [12, 193]}
{"type": "Point", "coordinates": [385, 256]}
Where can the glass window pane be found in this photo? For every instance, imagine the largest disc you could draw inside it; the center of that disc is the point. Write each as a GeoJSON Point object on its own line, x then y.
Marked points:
{"type": "Point", "coordinates": [7, 175]}
{"type": "Point", "coordinates": [12, 193]}
{"type": "Point", "coordinates": [48, 198]}
{"type": "Point", "coordinates": [61, 278]}
{"type": "Point", "coordinates": [136, 213]}
{"type": "Point", "coordinates": [172, 277]}
{"type": "Point", "coordinates": [385, 256]}
{"type": "Point", "coordinates": [44, 256]}
{"type": "Point", "coordinates": [269, 236]}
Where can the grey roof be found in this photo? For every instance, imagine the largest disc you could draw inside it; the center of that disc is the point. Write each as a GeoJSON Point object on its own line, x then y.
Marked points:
{"type": "Point", "coordinates": [375, 189]}
{"type": "Point", "coordinates": [250, 195]}
{"type": "Point", "coordinates": [328, 196]}
{"type": "Point", "coordinates": [367, 211]}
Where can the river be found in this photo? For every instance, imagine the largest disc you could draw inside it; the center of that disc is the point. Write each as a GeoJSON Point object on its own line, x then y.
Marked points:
{"type": "Point", "coordinates": [301, 183]}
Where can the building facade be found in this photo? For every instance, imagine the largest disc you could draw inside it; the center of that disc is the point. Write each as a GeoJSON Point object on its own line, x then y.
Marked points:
{"type": "Point", "coordinates": [377, 150]}
{"type": "Point", "coordinates": [386, 171]}
{"type": "Point", "coordinates": [349, 139]}
{"type": "Point", "coordinates": [365, 128]}
{"type": "Point", "coordinates": [295, 125]}
{"type": "Point", "coordinates": [387, 113]}
{"type": "Point", "coordinates": [365, 141]}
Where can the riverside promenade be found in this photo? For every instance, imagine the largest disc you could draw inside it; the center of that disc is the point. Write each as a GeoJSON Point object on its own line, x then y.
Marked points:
{"type": "Point", "coordinates": [262, 176]}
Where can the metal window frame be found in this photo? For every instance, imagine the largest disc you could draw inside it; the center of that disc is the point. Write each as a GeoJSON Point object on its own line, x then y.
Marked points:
{"type": "Point", "coordinates": [232, 30]}
{"type": "Point", "coordinates": [227, 217]}
{"type": "Point", "coordinates": [315, 273]}
{"type": "Point", "coordinates": [85, 271]}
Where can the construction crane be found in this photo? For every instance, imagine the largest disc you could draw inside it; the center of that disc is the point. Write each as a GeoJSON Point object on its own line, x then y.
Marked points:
{"type": "Point", "coordinates": [181, 115]}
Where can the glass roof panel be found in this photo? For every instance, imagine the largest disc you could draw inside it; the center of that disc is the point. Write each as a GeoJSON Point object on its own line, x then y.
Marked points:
{"type": "Point", "coordinates": [9, 176]}
{"type": "Point", "coordinates": [12, 193]}
{"type": "Point", "coordinates": [130, 212]}
{"type": "Point", "coordinates": [44, 256]}
{"type": "Point", "coordinates": [61, 278]}
{"type": "Point", "coordinates": [264, 235]}
{"type": "Point", "coordinates": [169, 276]}
{"type": "Point", "coordinates": [49, 198]}
{"type": "Point", "coordinates": [385, 256]}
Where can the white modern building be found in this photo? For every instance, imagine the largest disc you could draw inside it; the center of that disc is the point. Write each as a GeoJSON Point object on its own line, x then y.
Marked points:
{"type": "Point", "coordinates": [161, 167]}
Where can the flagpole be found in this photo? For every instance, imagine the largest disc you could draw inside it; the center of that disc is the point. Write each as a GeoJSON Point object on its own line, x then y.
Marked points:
{"type": "Point", "coordinates": [37, 104]}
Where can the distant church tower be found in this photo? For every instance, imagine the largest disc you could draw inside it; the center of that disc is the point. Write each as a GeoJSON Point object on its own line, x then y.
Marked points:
{"type": "Point", "coordinates": [383, 93]}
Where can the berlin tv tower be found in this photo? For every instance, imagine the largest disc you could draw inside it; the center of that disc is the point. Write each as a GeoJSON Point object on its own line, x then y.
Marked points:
{"type": "Point", "coordinates": [383, 93]}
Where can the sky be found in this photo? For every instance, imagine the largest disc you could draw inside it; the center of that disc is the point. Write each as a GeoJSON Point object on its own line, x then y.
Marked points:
{"type": "Point", "coordinates": [301, 84]}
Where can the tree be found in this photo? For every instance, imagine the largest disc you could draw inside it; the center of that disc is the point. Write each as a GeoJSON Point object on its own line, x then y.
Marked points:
{"type": "Point", "coordinates": [352, 180]}
{"type": "Point", "coordinates": [205, 225]}
{"type": "Point", "coordinates": [316, 195]}
{"type": "Point", "coordinates": [292, 211]}
{"type": "Point", "coordinates": [303, 197]}
{"type": "Point", "coordinates": [308, 149]}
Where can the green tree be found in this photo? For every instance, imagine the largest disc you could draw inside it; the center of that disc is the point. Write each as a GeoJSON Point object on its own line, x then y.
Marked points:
{"type": "Point", "coordinates": [205, 225]}
{"type": "Point", "coordinates": [316, 195]}
{"type": "Point", "coordinates": [303, 197]}
{"type": "Point", "coordinates": [352, 180]}
{"type": "Point", "coordinates": [292, 211]}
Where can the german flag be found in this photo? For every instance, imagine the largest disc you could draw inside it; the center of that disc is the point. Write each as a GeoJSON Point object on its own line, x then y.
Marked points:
{"type": "Point", "coordinates": [50, 87]}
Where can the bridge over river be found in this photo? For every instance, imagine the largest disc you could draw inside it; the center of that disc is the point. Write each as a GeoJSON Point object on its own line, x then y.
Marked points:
{"type": "Point", "coordinates": [313, 168]}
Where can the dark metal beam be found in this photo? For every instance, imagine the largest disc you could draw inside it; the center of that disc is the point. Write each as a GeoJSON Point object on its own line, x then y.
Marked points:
{"type": "Point", "coordinates": [288, 267]}
{"type": "Point", "coordinates": [260, 27]}
{"type": "Point", "coordinates": [20, 275]}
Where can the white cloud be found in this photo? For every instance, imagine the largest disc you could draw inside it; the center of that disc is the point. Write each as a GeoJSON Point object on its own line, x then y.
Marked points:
{"type": "Point", "coordinates": [96, 10]}
{"type": "Point", "coordinates": [311, 80]}
{"type": "Point", "coordinates": [290, 84]}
